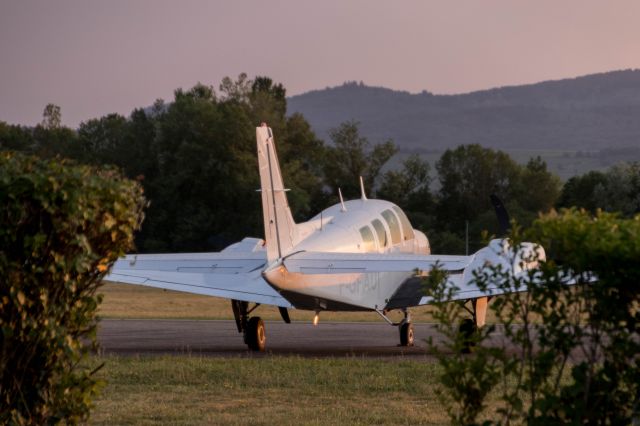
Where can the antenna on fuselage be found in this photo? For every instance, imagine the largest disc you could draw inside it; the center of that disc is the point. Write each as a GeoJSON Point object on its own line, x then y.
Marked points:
{"type": "Point", "coordinates": [343, 208]}
{"type": "Point", "coordinates": [364, 196]}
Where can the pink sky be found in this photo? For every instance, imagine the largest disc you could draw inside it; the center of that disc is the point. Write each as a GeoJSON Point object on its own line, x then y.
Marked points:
{"type": "Point", "coordinates": [96, 57]}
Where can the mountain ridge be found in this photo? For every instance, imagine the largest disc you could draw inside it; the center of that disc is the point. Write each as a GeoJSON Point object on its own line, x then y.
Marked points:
{"type": "Point", "coordinates": [588, 113]}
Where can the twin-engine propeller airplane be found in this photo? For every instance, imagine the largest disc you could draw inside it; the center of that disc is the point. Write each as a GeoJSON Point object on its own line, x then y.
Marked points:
{"type": "Point", "coordinates": [358, 255]}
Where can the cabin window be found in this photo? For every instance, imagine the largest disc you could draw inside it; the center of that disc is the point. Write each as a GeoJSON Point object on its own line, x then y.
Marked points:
{"type": "Point", "coordinates": [369, 244]}
{"type": "Point", "coordinates": [394, 226]}
{"type": "Point", "coordinates": [380, 232]}
{"type": "Point", "coordinates": [407, 229]}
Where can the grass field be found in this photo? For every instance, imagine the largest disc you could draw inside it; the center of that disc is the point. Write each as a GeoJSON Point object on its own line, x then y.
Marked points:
{"type": "Point", "coordinates": [270, 390]}
{"type": "Point", "coordinates": [132, 301]}
{"type": "Point", "coordinates": [138, 302]}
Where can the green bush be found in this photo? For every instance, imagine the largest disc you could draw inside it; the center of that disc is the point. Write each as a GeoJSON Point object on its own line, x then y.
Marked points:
{"type": "Point", "coordinates": [61, 227]}
{"type": "Point", "coordinates": [567, 353]}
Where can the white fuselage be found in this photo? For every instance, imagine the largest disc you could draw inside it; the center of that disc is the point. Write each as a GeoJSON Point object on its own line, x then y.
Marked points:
{"type": "Point", "coordinates": [358, 226]}
{"type": "Point", "coordinates": [338, 230]}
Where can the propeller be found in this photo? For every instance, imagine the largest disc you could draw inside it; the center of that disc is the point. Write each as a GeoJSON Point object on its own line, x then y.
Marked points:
{"type": "Point", "coordinates": [501, 212]}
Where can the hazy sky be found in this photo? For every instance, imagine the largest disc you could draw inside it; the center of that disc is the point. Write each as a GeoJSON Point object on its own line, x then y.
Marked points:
{"type": "Point", "coordinates": [96, 57]}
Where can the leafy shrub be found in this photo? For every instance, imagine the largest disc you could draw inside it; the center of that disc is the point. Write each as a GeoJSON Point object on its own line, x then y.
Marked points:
{"type": "Point", "coordinates": [568, 353]}
{"type": "Point", "coordinates": [61, 227]}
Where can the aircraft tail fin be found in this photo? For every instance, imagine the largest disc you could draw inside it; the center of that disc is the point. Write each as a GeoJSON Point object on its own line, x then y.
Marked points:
{"type": "Point", "coordinates": [279, 228]}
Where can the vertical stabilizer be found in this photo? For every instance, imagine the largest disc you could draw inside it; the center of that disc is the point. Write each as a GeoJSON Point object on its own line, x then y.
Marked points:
{"type": "Point", "coordinates": [279, 228]}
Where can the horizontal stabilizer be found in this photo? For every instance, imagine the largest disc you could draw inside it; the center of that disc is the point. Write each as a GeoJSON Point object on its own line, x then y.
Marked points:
{"type": "Point", "coordinates": [232, 274]}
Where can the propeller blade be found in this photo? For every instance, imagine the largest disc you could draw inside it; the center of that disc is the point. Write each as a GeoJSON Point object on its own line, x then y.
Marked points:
{"type": "Point", "coordinates": [501, 212]}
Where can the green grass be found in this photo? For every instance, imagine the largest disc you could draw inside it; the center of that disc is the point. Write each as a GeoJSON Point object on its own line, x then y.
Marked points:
{"type": "Point", "coordinates": [189, 390]}
{"type": "Point", "coordinates": [125, 301]}
{"type": "Point", "coordinates": [134, 301]}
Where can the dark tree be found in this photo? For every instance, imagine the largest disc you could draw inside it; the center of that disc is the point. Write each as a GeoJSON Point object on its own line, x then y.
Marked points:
{"type": "Point", "coordinates": [351, 157]}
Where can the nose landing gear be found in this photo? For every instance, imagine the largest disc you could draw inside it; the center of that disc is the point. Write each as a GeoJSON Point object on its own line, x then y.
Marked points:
{"type": "Point", "coordinates": [406, 329]}
{"type": "Point", "coordinates": [406, 334]}
{"type": "Point", "coordinates": [404, 326]}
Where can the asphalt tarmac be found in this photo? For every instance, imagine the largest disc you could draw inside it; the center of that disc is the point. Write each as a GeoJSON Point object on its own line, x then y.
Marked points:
{"type": "Point", "coordinates": [326, 340]}
{"type": "Point", "coordinates": [221, 339]}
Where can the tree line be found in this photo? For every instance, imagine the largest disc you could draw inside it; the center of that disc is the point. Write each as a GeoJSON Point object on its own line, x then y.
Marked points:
{"type": "Point", "coordinates": [195, 158]}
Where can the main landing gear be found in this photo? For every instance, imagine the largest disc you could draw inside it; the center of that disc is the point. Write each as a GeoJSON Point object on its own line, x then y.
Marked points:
{"type": "Point", "coordinates": [255, 337]}
{"type": "Point", "coordinates": [252, 328]}
{"type": "Point", "coordinates": [470, 326]}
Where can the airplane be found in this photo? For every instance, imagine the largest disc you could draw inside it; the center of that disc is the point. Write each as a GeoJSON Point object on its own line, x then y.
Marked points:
{"type": "Point", "coordinates": [357, 255]}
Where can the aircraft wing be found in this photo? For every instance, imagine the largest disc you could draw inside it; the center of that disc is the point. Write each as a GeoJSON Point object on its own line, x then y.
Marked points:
{"type": "Point", "coordinates": [410, 292]}
{"type": "Point", "coordinates": [234, 273]}
{"type": "Point", "coordinates": [336, 263]}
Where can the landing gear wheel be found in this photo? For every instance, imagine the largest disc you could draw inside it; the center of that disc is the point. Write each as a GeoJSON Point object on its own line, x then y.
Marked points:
{"type": "Point", "coordinates": [406, 334]}
{"type": "Point", "coordinates": [256, 337]}
{"type": "Point", "coordinates": [467, 330]}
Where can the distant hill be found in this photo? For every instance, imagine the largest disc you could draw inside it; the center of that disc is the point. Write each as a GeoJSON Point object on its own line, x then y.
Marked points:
{"type": "Point", "coordinates": [586, 114]}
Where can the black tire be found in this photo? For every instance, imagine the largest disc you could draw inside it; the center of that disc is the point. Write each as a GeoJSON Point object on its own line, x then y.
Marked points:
{"type": "Point", "coordinates": [467, 331]}
{"type": "Point", "coordinates": [406, 334]}
{"type": "Point", "coordinates": [256, 337]}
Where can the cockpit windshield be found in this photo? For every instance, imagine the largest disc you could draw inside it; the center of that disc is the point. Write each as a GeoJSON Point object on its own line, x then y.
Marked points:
{"type": "Point", "coordinates": [394, 226]}
{"type": "Point", "coordinates": [407, 229]}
